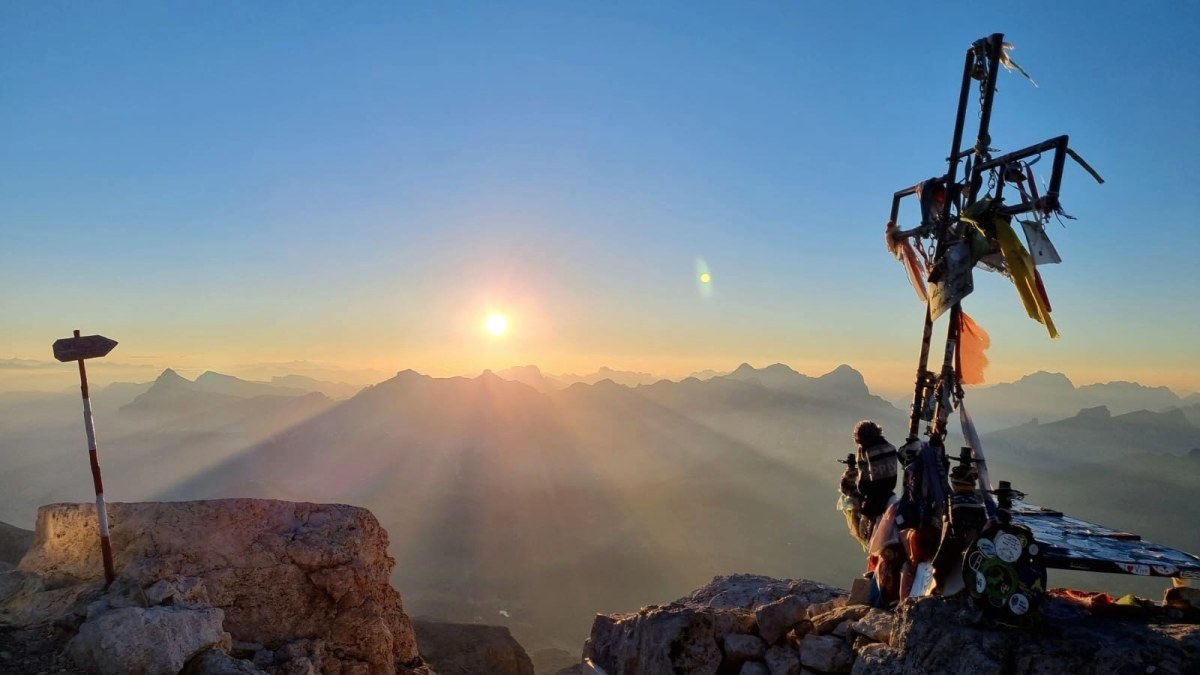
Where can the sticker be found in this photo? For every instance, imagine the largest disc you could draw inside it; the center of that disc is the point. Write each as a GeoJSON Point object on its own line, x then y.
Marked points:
{"type": "Point", "coordinates": [1033, 549]}
{"type": "Point", "coordinates": [987, 548]}
{"type": "Point", "coordinates": [1018, 604]}
{"type": "Point", "coordinates": [975, 560]}
{"type": "Point", "coordinates": [980, 584]}
{"type": "Point", "coordinates": [1008, 547]}
{"type": "Point", "coordinates": [1140, 570]}
{"type": "Point", "coordinates": [1190, 574]}
{"type": "Point", "coordinates": [1164, 571]}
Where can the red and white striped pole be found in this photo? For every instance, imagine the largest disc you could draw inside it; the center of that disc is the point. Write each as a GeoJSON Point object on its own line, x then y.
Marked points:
{"type": "Point", "coordinates": [78, 349]}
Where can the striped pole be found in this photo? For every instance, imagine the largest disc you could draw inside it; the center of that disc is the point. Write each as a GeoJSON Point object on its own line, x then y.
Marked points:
{"type": "Point", "coordinates": [94, 457]}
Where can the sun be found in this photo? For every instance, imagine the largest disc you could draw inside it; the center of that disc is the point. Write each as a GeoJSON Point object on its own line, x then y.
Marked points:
{"type": "Point", "coordinates": [497, 324]}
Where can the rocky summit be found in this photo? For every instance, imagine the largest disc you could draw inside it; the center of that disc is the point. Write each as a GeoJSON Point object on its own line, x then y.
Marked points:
{"type": "Point", "coordinates": [225, 586]}
{"type": "Point", "coordinates": [753, 625]}
{"type": "Point", "coordinates": [260, 587]}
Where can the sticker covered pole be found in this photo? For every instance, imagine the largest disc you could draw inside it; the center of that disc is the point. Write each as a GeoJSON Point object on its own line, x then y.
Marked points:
{"type": "Point", "coordinates": [77, 349]}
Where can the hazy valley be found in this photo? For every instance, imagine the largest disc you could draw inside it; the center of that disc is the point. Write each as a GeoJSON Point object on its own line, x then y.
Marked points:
{"type": "Point", "coordinates": [534, 501]}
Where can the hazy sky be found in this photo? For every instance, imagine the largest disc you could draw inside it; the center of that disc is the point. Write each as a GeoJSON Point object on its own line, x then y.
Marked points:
{"type": "Point", "coordinates": [217, 185]}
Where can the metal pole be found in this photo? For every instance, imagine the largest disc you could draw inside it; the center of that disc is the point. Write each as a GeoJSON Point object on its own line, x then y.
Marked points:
{"type": "Point", "coordinates": [919, 389]}
{"type": "Point", "coordinates": [94, 457]}
{"type": "Point", "coordinates": [995, 45]}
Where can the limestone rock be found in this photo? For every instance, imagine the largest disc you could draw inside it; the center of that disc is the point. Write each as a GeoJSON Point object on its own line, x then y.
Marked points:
{"type": "Point", "coordinates": [660, 641]}
{"type": "Point", "coordinates": [687, 635]}
{"type": "Point", "coordinates": [826, 653]}
{"type": "Point", "coordinates": [927, 635]}
{"type": "Point", "coordinates": [146, 641]}
{"type": "Point", "coordinates": [825, 623]}
{"type": "Point", "coordinates": [878, 659]}
{"type": "Point", "coordinates": [28, 599]}
{"type": "Point", "coordinates": [739, 648]}
{"type": "Point", "coordinates": [279, 570]}
{"type": "Point", "coordinates": [470, 648]}
{"type": "Point", "coordinates": [783, 661]}
{"type": "Point", "coordinates": [941, 635]}
{"type": "Point", "coordinates": [875, 624]}
{"type": "Point", "coordinates": [777, 618]}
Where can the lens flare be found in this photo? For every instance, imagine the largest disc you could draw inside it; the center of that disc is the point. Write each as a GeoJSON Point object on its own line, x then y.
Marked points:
{"type": "Point", "coordinates": [704, 282]}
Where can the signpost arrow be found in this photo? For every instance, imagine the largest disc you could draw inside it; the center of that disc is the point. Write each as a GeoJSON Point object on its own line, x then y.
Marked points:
{"type": "Point", "coordinates": [77, 349]}
{"type": "Point", "coordinates": [80, 348]}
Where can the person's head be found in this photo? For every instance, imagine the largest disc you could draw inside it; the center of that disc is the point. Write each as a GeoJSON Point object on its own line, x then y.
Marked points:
{"type": "Point", "coordinates": [867, 433]}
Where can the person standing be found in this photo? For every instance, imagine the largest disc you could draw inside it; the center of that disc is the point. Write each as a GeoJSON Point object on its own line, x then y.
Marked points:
{"type": "Point", "coordinates": [878, 467]}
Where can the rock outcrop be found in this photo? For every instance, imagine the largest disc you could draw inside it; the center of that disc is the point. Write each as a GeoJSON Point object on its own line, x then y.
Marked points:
{"type": "Point", "coordinates": [747, 625]}
{"type": "Point", "coordinates": [283, 587]}
{"type": "Point", "coordinates": [459, 648]}
{"type": "Point", "coordinates": [714, 630]}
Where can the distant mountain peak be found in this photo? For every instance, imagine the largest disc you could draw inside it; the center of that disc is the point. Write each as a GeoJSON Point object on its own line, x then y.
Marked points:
{"type": "Point", "coordinates": [169, 377]}
{"type": "Point", "coordinates": [844, 374]}
{"type": "Point", "coordinates": [213, 376]}
{"type": "Point", "coordinates": [744, 369]}
{"type": "Point", "coordinates": [1047, 379]}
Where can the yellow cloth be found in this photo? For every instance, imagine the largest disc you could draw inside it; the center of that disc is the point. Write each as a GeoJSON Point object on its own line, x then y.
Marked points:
{"type": "Point", "coordinates": [1020, 267]}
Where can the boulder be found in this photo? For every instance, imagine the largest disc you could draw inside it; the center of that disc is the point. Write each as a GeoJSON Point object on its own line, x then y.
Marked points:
{"type": "Point", "coordinates": [688, 634]}
{"type": "Point", "coordinates": [278, 571]}
{"type": "Point", "coordinates": [659, 641]}
{"type": "Point", "coordinates": [470, 649]}
{"type": "Point", "coordinates": [782, 661]}
{"type": "Point", "coordinates": [740, 648]}
{"type": "Point", "coordinates": [827, 622]}
{"type": "Point", "coordinates": [28, 599]}
{"type": "Point", "coordinates": [826, 654]}
{"type": "Point", "coordinates": [876, 625]}
{"type": "Point", "coordinates": [777, 618]}
{"type": "Point", "coordinates": [146, 641]}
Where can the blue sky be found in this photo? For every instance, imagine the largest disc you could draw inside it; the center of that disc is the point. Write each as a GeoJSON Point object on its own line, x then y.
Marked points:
{"type": "Point", "coordinates": [217, 185]}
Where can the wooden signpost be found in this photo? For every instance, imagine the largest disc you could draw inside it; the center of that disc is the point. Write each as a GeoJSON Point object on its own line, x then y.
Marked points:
{"type": "Point", "coordinates": [78, 348]}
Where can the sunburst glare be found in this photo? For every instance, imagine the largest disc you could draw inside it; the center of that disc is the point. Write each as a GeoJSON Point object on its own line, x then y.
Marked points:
{"type": "Point", "coordinates": [496, 324]}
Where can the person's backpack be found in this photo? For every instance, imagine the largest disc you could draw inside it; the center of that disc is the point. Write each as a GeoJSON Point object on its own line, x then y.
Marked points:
{"type": "Point", "coordinates": [923, 502]}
